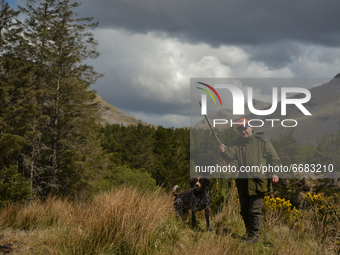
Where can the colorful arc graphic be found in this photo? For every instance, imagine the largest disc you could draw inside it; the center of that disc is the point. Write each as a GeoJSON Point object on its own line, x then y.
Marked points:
{"type": "Point", "coordinates": [213, 90]}
{"type": "Point", "coordinates": [208, 93]}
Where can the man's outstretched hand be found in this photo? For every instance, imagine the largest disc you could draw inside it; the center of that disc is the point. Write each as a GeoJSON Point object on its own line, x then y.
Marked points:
{"type": "Point", "coordinates": [275, 179]}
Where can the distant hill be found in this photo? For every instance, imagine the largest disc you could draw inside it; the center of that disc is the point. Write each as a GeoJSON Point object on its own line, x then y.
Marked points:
{"type": "Point", "coordinates": [324, 106]}
{"type": "Point", "coordinates": [111, 115]}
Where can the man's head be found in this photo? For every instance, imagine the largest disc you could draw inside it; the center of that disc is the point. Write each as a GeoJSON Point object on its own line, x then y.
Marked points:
{"type": "Point", "coordinates": [243, 129]}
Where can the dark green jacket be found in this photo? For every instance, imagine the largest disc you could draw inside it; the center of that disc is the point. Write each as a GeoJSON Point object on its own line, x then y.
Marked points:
{"type": "Point", "coordinates": [256, 150]}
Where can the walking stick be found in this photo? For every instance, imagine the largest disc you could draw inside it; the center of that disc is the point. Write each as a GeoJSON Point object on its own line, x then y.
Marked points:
{"type": "Point", "coordinates": [211, 128]}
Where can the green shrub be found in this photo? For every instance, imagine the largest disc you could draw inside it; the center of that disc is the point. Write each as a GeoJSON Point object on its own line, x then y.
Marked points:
{"type": "Point", "coordinates": [13, 186]}
{"type": "Point", "coordinates": [126, 176]}
{"type": "Point", "coordinates": [219, 193]}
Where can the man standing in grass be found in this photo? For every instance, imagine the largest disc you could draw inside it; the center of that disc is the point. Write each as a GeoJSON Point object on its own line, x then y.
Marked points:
{"type": "Point", "coordinates": [252, 149]}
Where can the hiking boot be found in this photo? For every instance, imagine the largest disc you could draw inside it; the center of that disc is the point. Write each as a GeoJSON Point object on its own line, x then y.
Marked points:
{"type": "Point", "coordinates": [251, 239]}
{"type": "Point", "coordinates": [245, 236]}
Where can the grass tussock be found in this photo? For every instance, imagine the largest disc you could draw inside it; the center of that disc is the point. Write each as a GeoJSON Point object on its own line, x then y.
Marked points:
{"type": "Point", "coordinates": [121, 221]}
{"type": "Point", "coordinates": [127, 221]}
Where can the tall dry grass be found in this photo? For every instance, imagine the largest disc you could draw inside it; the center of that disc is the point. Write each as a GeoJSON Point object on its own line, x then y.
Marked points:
{"type": "Point", "coordinates": [121, 221]}
{"type": "Point", "coordinates": [126, 221]}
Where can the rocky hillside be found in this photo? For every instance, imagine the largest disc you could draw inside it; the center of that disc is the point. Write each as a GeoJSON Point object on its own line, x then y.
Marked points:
{"type": "Point", "coordinates": [111, 115]}
{"type": "Point", "coordinates": [324, 106]}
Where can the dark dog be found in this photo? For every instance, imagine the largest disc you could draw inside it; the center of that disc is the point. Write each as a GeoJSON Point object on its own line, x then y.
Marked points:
{"type": "Point", "coordinates": [195, 199]}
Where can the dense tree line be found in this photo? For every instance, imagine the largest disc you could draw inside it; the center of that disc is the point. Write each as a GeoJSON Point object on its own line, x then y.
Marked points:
{"type": "Point", "coordinates": [163, 153]}
{"type": "Point", "coordinates": [46, 118]}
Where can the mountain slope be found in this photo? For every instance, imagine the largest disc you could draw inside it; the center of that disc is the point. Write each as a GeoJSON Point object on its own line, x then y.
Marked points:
{"type": "Point", "coordinates": [111, 115]}
{"type": "Point", "coordinates": [325, 109]}
{"type": "Point", "coordinates": [324, 106]}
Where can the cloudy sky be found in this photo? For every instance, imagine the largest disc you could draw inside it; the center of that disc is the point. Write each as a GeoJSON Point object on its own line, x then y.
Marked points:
{"type": "Point", "coordinates": [151, 48]}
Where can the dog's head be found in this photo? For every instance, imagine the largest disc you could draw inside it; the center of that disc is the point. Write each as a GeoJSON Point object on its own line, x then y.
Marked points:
{"type": "Point", "coordinates": [199, 183]}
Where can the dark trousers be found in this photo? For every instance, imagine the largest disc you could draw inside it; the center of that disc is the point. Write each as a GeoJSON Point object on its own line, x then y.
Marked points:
{"type": "Point", "coordinates": [251, 213]}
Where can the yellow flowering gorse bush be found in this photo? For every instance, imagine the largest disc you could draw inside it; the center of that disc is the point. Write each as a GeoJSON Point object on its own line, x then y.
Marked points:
{"type": "Point", "coordinates": [314, 199]}
{"type": "Point", "coordinates": [282, 208]}
{"type": "Point", "coordinates": [277, 203]}
{"type": "Point", "coordinates": [320, 214]}
{"type": "Point", "coordinates": [324, 205]}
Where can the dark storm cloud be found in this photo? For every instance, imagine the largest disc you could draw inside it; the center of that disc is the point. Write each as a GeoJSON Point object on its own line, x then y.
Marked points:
{"type": "Point", "coordinates": [276, 55]}
{"type": "Point", "coordinates": [129, 99]}
{"type": "Point", "coordinates": [151, 48]}
{"type": "Point", "coordinates": [245, 22]}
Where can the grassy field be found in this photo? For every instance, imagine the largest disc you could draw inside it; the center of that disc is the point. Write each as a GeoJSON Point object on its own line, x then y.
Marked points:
{"type": "Point", "coordinates": [127, 221]}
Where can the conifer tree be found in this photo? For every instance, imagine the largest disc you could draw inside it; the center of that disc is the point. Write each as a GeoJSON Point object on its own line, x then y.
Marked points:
{"type": "Point", "coordinates": [61, 44]}
{"type": "Point", "coordinates": [10, 44]}
{"type": "Point", "coordinates": [19, 141]}
{"type": "Point", "coordinates": [47, 118]}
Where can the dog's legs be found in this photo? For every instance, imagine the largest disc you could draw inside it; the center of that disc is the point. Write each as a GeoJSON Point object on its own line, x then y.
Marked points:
{"type": "Point", "coordinates": [184, 215]}
{"type": "Point", "coordinates": [193, 213]}
{"type": "Point", "coordinates": [206, 213]}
